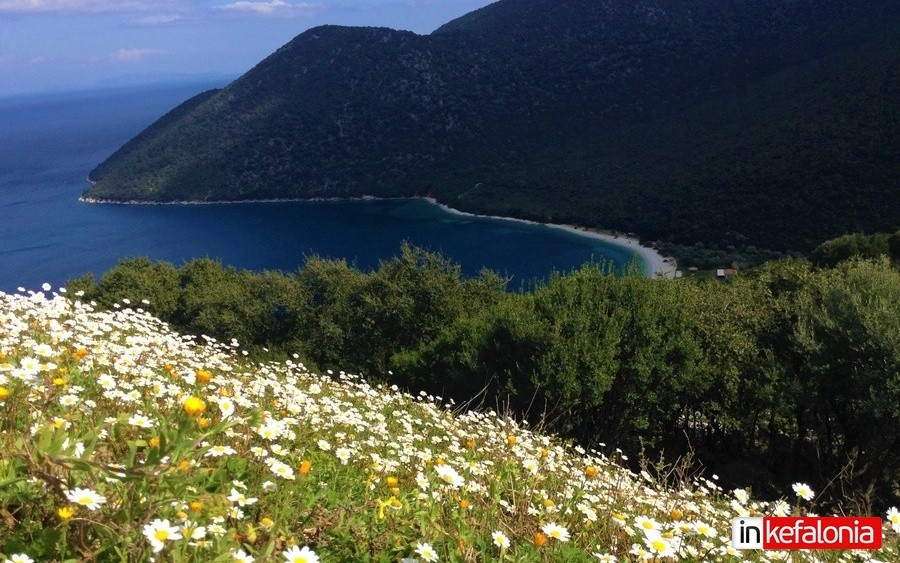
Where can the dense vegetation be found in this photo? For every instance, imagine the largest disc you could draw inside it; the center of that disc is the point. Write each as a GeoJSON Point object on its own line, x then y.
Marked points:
{"type": "Point", "coordinates": [124, 441]}
{"type": "Point", "coordinates": [786, 372]}
{"type": "Point", "coordinates": [857, 245]}
{"type": "Point", "coordinates": [728, 130]}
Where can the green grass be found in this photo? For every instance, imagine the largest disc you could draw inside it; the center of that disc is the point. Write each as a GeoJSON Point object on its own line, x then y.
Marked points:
{"type": "Point", "coordinates": [123, 441]}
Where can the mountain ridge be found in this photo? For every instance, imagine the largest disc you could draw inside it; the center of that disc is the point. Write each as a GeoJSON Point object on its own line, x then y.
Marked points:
{"type": "Point", "coordinates": [467, 113]}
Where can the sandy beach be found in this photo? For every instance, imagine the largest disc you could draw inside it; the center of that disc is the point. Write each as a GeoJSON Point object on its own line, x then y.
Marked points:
{"type": "Point", "coordinates": [656, 265]}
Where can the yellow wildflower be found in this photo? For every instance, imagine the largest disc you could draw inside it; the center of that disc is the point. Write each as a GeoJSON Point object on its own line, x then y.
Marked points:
{"type": "Point", "coordinates": [392, 502]}
{"type": "Point", "coordinates": [65, 513]}
{"type": "Point", "coordinates": [194, 406]}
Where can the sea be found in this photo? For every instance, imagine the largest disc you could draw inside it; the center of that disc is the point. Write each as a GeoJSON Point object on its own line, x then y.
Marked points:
{"type": "Point", "coordinates": [50, 142]}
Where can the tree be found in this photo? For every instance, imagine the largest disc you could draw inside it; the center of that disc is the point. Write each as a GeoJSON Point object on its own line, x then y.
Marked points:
{"type": "Point", "coordinates": [324, 327]}
{"type": "Point", "coordinates": [849, 335]}
{"type": "Point", "coordinates": [139, 279]}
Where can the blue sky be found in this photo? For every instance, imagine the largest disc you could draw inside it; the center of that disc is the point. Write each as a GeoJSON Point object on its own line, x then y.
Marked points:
{"type": "Point", "coordinates": [48, 45]}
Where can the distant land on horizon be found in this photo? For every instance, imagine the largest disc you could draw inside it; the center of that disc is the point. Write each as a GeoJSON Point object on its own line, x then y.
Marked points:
{"type": "Point", "coordinates": [744, 128]}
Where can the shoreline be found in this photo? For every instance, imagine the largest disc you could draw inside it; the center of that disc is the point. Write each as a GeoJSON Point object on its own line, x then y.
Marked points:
{"type": "Point", "coordinates": [655, 264]}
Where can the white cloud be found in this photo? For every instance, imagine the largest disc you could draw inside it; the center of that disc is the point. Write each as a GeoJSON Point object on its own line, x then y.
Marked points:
{"type": "Point", "coordinates": [133, 55]}
{"type": "Point", "coordinates": [156, 20]}
{"type": "Point", "coordinates": [81, 6]}
{"type": "Point", "coordinates": [272, 8]}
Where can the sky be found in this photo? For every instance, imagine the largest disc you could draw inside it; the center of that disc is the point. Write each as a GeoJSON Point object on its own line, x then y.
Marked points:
{"type": "Point", "coordinates": [53, 45]}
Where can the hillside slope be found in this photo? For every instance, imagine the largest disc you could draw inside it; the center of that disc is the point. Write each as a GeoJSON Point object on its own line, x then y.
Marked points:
{"type": "Point", "coordinates": [144, 445]}
{"type": "Point", "coordinates": [686, 121]}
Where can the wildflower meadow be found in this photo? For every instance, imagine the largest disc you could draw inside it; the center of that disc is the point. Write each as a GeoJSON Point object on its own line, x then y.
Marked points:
{"type": "Point", "coordinates": [121, 440]}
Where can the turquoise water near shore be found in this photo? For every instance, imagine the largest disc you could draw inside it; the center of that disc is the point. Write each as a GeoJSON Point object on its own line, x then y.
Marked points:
{"type": "Point", "coordinates": [49, 143]}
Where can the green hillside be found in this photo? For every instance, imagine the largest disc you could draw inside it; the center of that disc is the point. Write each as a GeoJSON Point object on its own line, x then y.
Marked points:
{"type": "Point", "coordinates": [125, 441]}
{"type": "Point", "coordinates": [730, 124]}
{"type": "Point", "coordinates": [778, 374]}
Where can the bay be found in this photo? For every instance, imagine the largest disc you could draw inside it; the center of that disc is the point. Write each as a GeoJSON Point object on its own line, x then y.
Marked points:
{"type": "Point", "coordinates": [49, 143]}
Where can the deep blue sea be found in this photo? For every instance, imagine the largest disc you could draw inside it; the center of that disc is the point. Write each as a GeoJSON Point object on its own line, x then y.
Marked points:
{"type": "Point", "coordinates": [49, 143]}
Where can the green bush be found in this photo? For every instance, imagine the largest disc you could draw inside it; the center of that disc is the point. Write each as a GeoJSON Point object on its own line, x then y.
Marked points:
{"type": "Point", "coordinates": [790, 371]}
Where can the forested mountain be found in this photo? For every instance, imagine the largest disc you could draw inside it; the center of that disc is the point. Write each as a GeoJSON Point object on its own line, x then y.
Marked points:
{"type": "Point", "coordinates": [766, 123]}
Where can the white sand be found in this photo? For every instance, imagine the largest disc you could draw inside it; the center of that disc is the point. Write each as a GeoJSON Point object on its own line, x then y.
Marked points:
{"type": "Point", "coordinates": [656, 265]}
